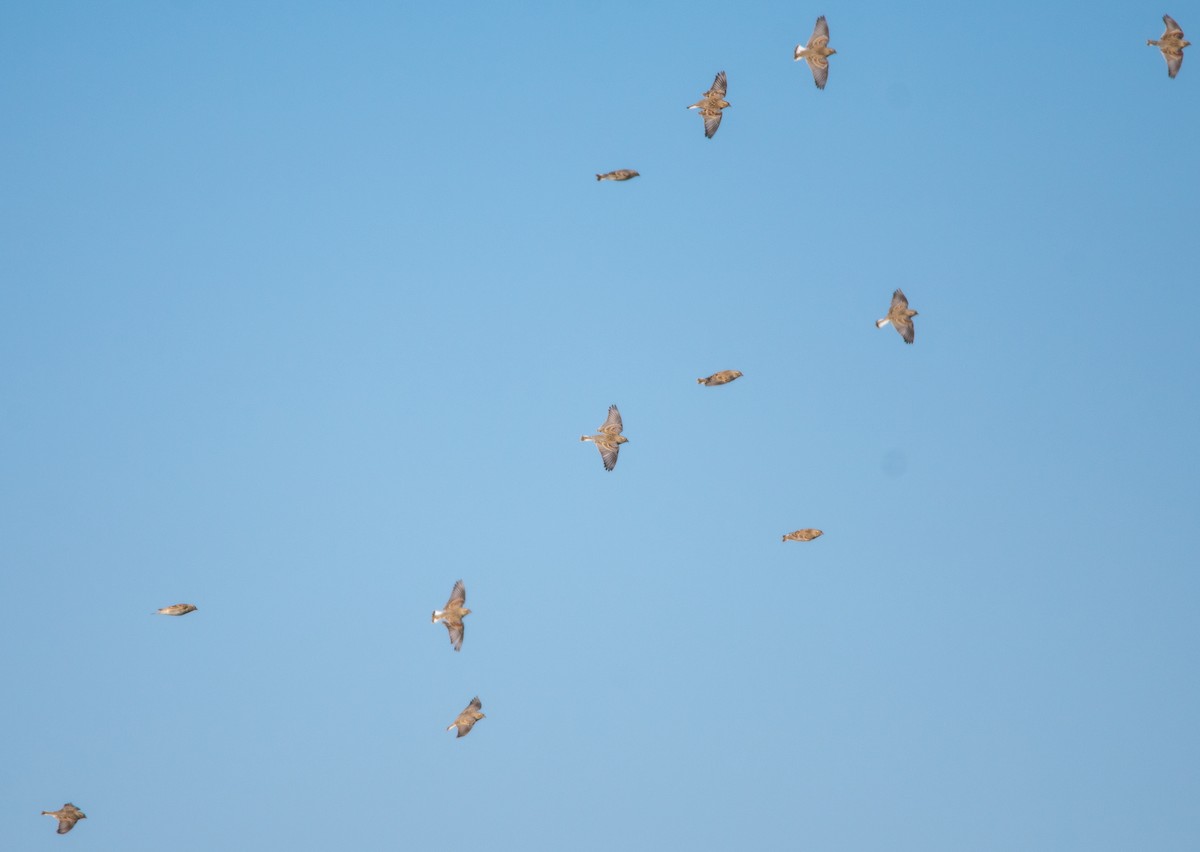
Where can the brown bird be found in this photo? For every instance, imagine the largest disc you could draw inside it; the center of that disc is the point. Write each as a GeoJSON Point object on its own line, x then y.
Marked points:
{"type": "Point", "coordinates": [802, 535]}
{"type": "Point", "coordinates": [816, 51]}
{"type": "Point", "coordinates": [468, 717]}
{"type": "Point", "coordinates": [610, 439]}
{"type": "Point", "coordinates": [619, 174]}
{"type": "Point", "coordinates": [453, 614]}
{"type": "Point", "coordinates": [722, 378]}
{"type": "Point", "coordinates": [67, 816]}
{"type": "Point", "coordinates": [1171, 45]}
{"type": "Point", "coordinates": [176, 609]}
{"type": "Point", "coordinates": [900, 317]}
{"type": "Point", "coordinates": [711, 103]}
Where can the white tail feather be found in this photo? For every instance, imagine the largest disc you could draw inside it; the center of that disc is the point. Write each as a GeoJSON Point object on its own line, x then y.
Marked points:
{"type": "Point", "coordinates": [881, 323]}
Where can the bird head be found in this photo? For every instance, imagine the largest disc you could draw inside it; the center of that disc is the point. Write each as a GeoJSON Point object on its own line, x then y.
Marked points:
{"type": "Point", "coordinates": [621, 439]}
{"type": "Point", "coordinates": [832, 51]}
{"type": "Point", "coordinates": [466, 612]}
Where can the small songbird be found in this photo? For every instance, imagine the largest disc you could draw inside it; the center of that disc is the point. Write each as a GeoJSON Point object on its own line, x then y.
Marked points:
{"type": "Point", "coordinates": [802, 535]}
{"type": "Point", "coordinates": [453, 614]}
{"type": "Point", "coordinates": [900, 317]}
{"type": "Point", "coordinates": [176, 609]}
{"type": "Point", "coordinates": [816, 51]}
{"type": "Point", "coordinates": [619, 174]}
{"type": "Point", "coordinates": [468, 717]}
{"type": "Point", "coordinates": [67, 816]}
{"type": "Point", "coordinates": [610, 439]}
{"type": "Point", "coordinates": [1171, 45]}
{"type": "Point", "coordinates": [722, 378]}
{"type": "Point", "coordinates": [711, 103]}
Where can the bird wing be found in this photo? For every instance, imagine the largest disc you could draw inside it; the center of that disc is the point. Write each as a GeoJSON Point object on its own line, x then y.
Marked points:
{"type": "Point", "coordinates": [455, 628]}
{"type": "Point", "coordinates": [1174, 58]}
{"type": "Point", "coordinates": [820, 36]}
{"type": "Point", "coordinates": [65, 824]}
{"type": "Point", "coordinates": [904, 325]}
{"type": "Point", "coordinates": [719, 87]}
{"type": "Point", "coordinates": [475, 704]}
{"type": "Point", "coordinates": [608, 454]}
{"type": "Point", "coordinates": [712, 120]}
{"type": "Point", "coordinates": [820, 69]}
{"type": "Point", "coordinates": [1172, 27]}
{"type": "Point", "coordinates": [612, 425]}
{"type": "Point", "coordinates": [458, 596]}
{"type": "Point", "coordinates": [899, 300]}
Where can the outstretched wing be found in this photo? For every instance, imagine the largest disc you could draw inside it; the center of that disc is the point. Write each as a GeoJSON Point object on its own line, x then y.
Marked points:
{"type": "Point", "coordinates": [458, 596]}
{"type": "Point", "coordinates": [712, 120]}
{"type": "Point", "coordinates": [1174, 58]}
{"type": "Point", "coordinates": [1172, 27]}
{"type": "Point", "coordinates": [820, 69]}
{"type": "Point", "coordinates": [820, 36]}
{"type": "Point", "coordinates": [904, 325]}
{"type": "Point", "coordinates": [719, 87]}
{"type": "Point", "coordinates": [608, 454]}
{"type": "Point", "coordinates": [612, 425]}
{"type": "Point", "coordinates": [455, 628]}
{"type": "Point", "coordinates": [65, 824]}
{"type": "Point", "coordinates": [899, 300]}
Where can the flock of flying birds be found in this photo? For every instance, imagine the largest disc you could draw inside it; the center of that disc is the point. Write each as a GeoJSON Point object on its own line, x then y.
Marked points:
{"type": "Point", "coordinates": [609, 439]}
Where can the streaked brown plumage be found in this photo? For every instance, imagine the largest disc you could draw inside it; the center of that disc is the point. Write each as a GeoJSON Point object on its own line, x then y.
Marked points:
{"type": "Point", "coordinates": [468, 717]}
{"type": "Point", "coordinates": [816, 51]}
{"type": "Point", "coordinates": [619, 174]}
{"type": "Point", "coordinates": [711, 103]}
{"type": "Point", "coordinates": [900, 317]}
{"type": "Point", "coordinates": [1171, 45]}
{"type": "Point", "coordinates": [610, 439]}
{"type": "Point", "coordinates": [67, 816]}
{"type": "Point", "coordinates": [453, 614]}
{"type": "Point", "coordinates": [802, 535]}
{"type": "Point", "coordinates": [176, 609]}
{"type": "Point", "coordinates": [722, 378]}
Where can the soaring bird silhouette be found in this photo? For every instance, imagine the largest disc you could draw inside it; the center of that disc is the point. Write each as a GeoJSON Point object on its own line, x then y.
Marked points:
{"type": "Point", "coordinates": [67, 816]}
{"type": "Point", "coordinates": [711, 103]}
{"type": "Point", "coordinates": [468, 717]}
{"type": "Point", "coordinates": [610, 439]}
{"type": "Point", "coordinates": [453, 614]}
{"type": "Point", "coordinates": [816, 53]}
{"type": "Point", "coordinates": [1171, 44]}
{"type": "Point", "coordinates": [900, 317]}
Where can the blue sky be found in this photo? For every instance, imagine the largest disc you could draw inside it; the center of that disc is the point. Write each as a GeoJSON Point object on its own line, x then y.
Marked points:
{"type": "Point", "coordinates": [305, 308]}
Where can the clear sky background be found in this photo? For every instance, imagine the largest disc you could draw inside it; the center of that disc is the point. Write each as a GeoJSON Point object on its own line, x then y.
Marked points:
{"type": "Point", "coordinates": [305, 307]}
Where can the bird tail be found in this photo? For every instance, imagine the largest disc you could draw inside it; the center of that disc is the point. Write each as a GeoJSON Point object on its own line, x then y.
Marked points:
{"type": "Point", "coordinates": [451, 727]}
{"type": "Point", "coordinates": [47, 813]}
{"type": "Point", "coordinates": [584, 438]}
{"type": "Point", "coordinates": [701, 381]}
{"type": "Point", "coordinates": [599, 177]}
{"type": "Point", "coordinates": [881, 323]}
{"type": "Point", "coordinates": [437, 613]}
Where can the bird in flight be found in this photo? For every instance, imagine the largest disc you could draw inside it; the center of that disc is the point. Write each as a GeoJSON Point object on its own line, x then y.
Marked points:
{"type": "Point", "coordinates": [609, 439]}
{"type": "Point", "coordinates": [816, 53]}
{"type": "Point", "coordinates": [1171, 44]}
{"type": "Point", "coordinates": [900, 317]}
{"type": "Point", "coordinates": [619, 174]}
{"type": "Point", "coordinates": [468, 717]}
{"type": "Point", "coordinates": [802, 535]}
{"type": "Point", "coordinates": [453, 614]}
{"type": "Point", "coordinates": [722, 378]}
{"type": "Point", "coordinates": [176, 609]}
{"type": "Point", "coordinates": [67, 816]}
{"type": "Point", "coordinates": [711, 103]}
